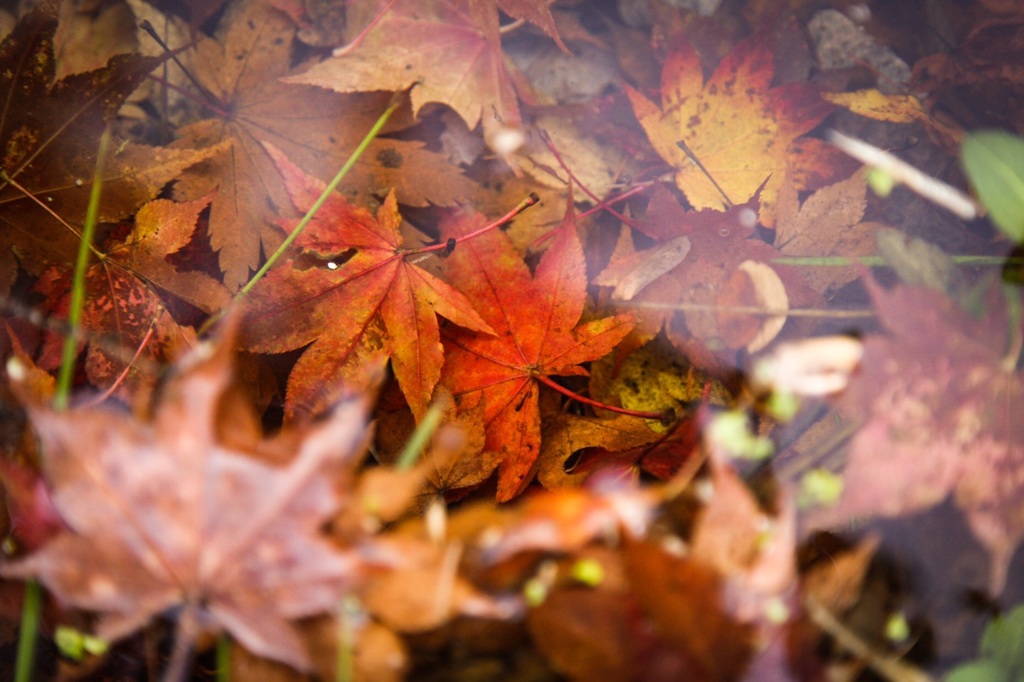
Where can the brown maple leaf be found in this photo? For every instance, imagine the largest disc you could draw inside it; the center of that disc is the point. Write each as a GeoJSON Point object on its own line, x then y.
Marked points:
{"type": "Point", "coordinates": [170, 514]}
{"type": "Point", "coordinates": [352, 275]}
{"type": "Point", "coordinates": [450, 48]}
{"type": "Point", "coordinates": [739, 127]}
{"type": "Point", "coordinates": [828, 223]}
{"type": "Point", "coordinates": [538, 334]}
{"type": "Point", "coordinates": [51, 131]}
{"type": "Point", "coordinates": [316, 128]}
{"type": "Point", "coordinates": [941, 407]}
{"type": "Point", "coordinates": [162, 228]}
{"type": "Point", "coordinates": [455, 462]}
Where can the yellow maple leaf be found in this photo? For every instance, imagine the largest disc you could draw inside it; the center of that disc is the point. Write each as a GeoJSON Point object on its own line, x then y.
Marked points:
{"type": "Point", "coordinates": [737, 126]}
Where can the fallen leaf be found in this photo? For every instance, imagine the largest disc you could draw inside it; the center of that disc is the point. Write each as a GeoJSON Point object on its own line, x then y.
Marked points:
{"type": "Point", "coordinates": [585, 634]}
{"type": "Point", "coordinates": [739, 127]}
{"type": "Point", "coordinates": [251, 105]}
{"type": "Point", "coordinates": [128, 324]}
{"type": "Point", "coordinates": [939, 409]}
{"type": "Point", "coordinates": [538, 334]}
{"type": "Point", "coordinates": [684, 599]}
{"type": "Point", "coordinates": [828, 223]}
{"type": "Point", "coordinates": [574, 447]}
{"type": "Point", "coordinates": [630, 274]}
{"type": "Point", "coordinates": [352, 273]}
{"type": "Point", "coordinates": [881, 107]}
{"type": "Point", "coordinates": [568, 519]}
{"type": "Point", "coordinates": [52, 138]}
{"type": "Point", "coordinates": [690, 300]}
{"type": "Point", "coordinates": [234, 541]}
{"type": "Point", "coordinates": [162, 228]}
{"type": "Point", "coordinates": [451, 49]}
{"type": "Point", "coordinates": [455, 461]}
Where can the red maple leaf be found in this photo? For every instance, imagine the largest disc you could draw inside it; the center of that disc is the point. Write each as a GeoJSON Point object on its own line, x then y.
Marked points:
{"type": "Point", "coordinates": [337, 304]}
{"type": "Point", "coordinates": [124, 311]}
{"type": "Point", "coordinates": [536, 320]}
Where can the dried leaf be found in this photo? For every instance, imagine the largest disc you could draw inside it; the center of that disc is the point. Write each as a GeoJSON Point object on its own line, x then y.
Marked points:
{"type": "Point", "coordinates": [252, 104]}
{"type": "Point", "coordinates": [234, 541]}
{"type": "Point", "coordinates": [450, 49]}
{"type": "Point", "coordinates": [351, 276]}
{"type": "Point", "coordinates": [939, 407]}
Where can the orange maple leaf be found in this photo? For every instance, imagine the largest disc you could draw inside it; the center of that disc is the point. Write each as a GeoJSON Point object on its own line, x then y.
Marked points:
{"type": "Point", "coordinates": [336, 304]}
{"type": "Point", "coordinates": [538, 335]}
{"type": "Point", "coordinates": [736, 125]}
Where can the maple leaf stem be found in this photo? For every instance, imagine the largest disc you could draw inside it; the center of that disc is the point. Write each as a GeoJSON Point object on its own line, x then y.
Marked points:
{"type": "Point", "coordinates": [930, 188]}
{"type": "Point", "coordinates": [659, 416]}
{"type": "Point", "coordinates": [634, 190]}
{"type": "Point", "coordinates": [503, 220]}
{"type": "Point", "coordinates": [508, 28]}
{"type": "Point", "coordinates": [184, 636]}
{"type": "Point", "coordinates": [597, 208]}
{"type": "Point", "coordinates": [173, 54]}
{"type": "Point", "coordinates": [70, 350]}
{"type": "Point", "coordinates": [693, 157]}
{"type": "Point", "coordinates": [207, 102]}
{"type": "Point", "coordinates": [572, 176]}
{"type": "Point", "coordinates": [131, 363]}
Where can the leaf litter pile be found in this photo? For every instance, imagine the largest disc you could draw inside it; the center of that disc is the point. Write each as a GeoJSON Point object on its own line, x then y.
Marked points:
{"type": "Point", "coordinates": [604, 360]}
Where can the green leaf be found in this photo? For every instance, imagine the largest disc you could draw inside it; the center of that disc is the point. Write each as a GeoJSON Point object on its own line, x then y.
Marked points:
{"type": "Point", "coordinates": [978, 671]}
{"type": "Point", "coordinates": [1001, 658]}
{"type": "Point", "coordinates": [994, 162]}
{"type": "Point", "coordinates": [1003, 641]}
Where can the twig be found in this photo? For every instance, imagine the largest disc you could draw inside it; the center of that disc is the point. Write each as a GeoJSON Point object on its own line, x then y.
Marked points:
{"type": "Point", "coordinates": [883, 664]}
{"type": "Point", "coordinates": [944, 195]}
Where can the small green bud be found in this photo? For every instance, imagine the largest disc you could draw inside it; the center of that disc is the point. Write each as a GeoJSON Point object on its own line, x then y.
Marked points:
{"type": "Point", "coordinates": [819, 487]}
{"type": "Point", "coordinates": [881, 182]}
{"type": "Point", "coordinates": [535, 592]}
{"type": "Point", "coordinates": [590, 572]}
{"type": "Point", "coordinates": [896, 628]}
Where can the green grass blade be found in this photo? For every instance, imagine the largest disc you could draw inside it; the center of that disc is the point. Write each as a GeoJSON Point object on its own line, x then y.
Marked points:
{"type": "Point", "coordinates": [396, 102]}
{"type": "Point", "coordinates": [30, 609]}
{"type": "Point", "coordinates": [70, 350]}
